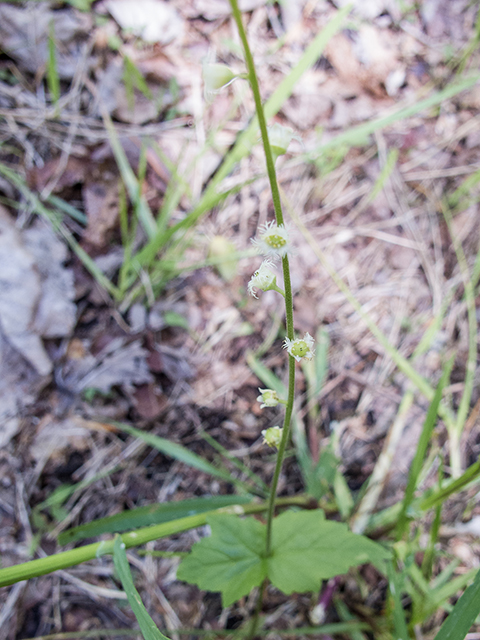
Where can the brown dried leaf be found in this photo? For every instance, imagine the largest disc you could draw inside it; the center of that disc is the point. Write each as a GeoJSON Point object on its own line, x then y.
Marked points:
{"type": "Point", "coordinates": [101, 205]}
{"type": "Point", "coordinates": [149, 401]}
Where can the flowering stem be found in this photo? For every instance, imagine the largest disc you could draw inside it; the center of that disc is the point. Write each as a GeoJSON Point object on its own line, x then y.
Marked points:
{"type": "Point", "coordinates": [252, 76]}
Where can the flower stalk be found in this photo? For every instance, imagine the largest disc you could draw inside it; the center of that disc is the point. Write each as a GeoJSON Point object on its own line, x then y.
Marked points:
{"type": "Point", "coordinates": [270, 160]}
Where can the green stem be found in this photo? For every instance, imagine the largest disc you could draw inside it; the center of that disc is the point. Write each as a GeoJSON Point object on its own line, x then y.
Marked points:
{"type": "Point", "coordinates": [252, 632]}
{"type": "Point", "coordinates": [285, 264]}
{"type": "Point", "coordinates": [66, 559]}
{"type": "Point", "coordinates": [252, 76]}
{"type": "Point", "coordinates": [277, 289]}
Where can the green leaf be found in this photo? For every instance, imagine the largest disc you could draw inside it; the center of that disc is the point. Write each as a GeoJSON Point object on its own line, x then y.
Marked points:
{"type": "Point", "coordinates": [306, 549]}
{"type": "Point", "coordinates": [229, 560]}
{"type": "Point", "coordinates": [147, 626]}
{"type": "Point", "coordinates": [464, 613]}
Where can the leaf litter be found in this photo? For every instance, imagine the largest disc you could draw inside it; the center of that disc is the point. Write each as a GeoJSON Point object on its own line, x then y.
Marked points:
{"type": "Point", "coordinates": [392, 250]}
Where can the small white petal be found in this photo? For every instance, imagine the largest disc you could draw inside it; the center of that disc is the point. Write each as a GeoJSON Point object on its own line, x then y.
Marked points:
{"type": "Point", "coordinates": [262, 279]}
{"type": "Point", "coordinates": [301, 347]}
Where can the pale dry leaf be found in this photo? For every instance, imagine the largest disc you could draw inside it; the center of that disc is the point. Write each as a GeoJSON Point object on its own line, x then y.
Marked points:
{"type": "Point", "coordinates": [24, 36]}
{"type": "Point", "coordinates": [56, 312]}
{"type": "Point", "coordinates": [151, 20]}
{"type": "Point", "coordinates": [310, 104]}
{"type": "Point", "coordinates": [215, 9]}
{"type": "Point", "coordinates": [57, 435]}
{"type": "Point", "coordinates": [19, 385]}
{"type": "Point", "coordinates": [118, 365]}
{"type": "Point", "coordinates": [448, 19]}
{"type": "Point", "coordinates": [371, 9]}
{"type": "Point", "coordinates": [36, 291]}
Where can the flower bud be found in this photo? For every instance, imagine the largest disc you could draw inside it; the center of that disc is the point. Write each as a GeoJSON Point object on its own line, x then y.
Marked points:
{"type": "Point", "coordinates": [272, 436]}
{"type": "Point", "coordinates": [279, 137]}
{"type": "Point", "coordinates": [215, 77]}
{"type": "Point", "coordinates": [220, 247]}
{"type": "Point", "coordinates": [269, 398]}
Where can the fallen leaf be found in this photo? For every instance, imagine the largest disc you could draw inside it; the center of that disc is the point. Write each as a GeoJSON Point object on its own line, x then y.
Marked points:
{"type": "Point", "coordinates": [371, 9]}
{"type": "Point", "coordinates": [101, 206]}
{"type": "Point", "coordinates": [19, 385]}
{"type": "Point", "coordinates": [36, 291]}
{"type": "Point", "coordinates": [151, 20]}
{"type": "Point", "coordinates": [215, 9]}
{"type": "Point", "coordinates": [54, 436]}
{"type": "Point", "coordinates": [74, 173]}
{"type": "Point", "coordinates": [149, 401]}
{"type": "Point", "coordinates": [117, 365]}
{"type": "Point", "coordinates": [24, 36]}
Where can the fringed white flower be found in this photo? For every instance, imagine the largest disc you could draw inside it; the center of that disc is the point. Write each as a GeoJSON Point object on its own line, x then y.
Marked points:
{"type": "Point", "coordinates": [263, 279]}
{"type": "Point", "coordinates": [301, 347]}
{"type": "Point", "coordinates": [268, 397]}
{"type": "Point", "coordinates": [274, 240]}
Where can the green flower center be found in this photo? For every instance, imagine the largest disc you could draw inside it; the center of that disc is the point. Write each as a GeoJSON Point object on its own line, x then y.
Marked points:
{"type": "Point", "coordinates": [275, 241]}
{"type": "Point", "coordinates": [300, 348]}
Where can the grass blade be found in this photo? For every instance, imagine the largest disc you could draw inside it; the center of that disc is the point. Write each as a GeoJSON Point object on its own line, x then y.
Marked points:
{"type": "Point", "coordinates": [358, 135]}
{"type": "Point", "coordinates": [399, 622]}
{"type": "Point", "coordinates": [463, 409]}
{"type": "Point", "coordinates": [174, 450]}
{"type": "Point", "coordinates": [148, 515]}
{"type": "Point", "coordinates": [182, 454]}
{"type": "Point", "coordinates": [263, 487]}
{"type": "Point", "coordinates": [422, 445]}
{"type": "Point", "coordinates": [437, 496]}
{"type": "Point", "coordinates": [464, 613]}
{"type": "Point", "coordinates": [53, 81]}
{"type": "Point", "coordinates": [131, 182]}
{"type": "Point", "coordinates": [149, 629]}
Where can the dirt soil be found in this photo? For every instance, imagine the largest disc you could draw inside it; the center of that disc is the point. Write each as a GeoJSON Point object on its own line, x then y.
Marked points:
{"type": "Point", "coordinates": [171, 360]}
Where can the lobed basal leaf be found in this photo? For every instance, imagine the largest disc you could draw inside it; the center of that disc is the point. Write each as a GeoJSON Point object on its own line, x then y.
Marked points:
{"type": "Point", "coordinates": [306, 549]}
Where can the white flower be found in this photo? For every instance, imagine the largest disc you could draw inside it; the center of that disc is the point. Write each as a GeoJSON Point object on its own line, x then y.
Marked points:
{"type": "Point", "coordinates": [272, 436]}
{"type": "Point", "coordinates": [215, 77]}
{"type": "Point", "coordinates": [269, 398]}
{"type": "Point", "coordinates": [279, 137]}
{"type": "Point", "coordinates": [274, 240]}
{"type": "Point", "coordinates": [262, 279]}
{"type": "Point", "coordinates": [301, 347]}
